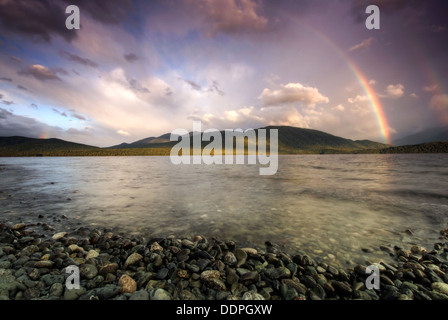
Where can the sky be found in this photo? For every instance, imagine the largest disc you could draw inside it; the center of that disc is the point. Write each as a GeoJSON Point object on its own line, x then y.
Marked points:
{"type": "Point", "coordinates": [137, 69]}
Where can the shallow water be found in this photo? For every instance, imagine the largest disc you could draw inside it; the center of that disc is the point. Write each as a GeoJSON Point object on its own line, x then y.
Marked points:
{"type": "Point", "coordinates": [343, 205]}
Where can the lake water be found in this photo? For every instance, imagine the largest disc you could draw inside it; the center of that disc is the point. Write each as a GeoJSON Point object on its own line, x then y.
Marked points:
{"type": "Point", "coordinates": [341, 207]}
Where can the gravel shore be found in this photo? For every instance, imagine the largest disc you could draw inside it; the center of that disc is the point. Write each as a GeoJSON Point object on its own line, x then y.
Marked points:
{"type": "Point", "coordinates": [114, 266]}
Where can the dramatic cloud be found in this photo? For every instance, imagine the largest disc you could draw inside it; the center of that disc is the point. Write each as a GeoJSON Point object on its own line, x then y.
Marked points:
{"type": "Point", "coordinates": [59, 112]}
{"type": "Point", "coordinates": [39, 20]}
{"type": "Point", "coordinates": [15, 125]}
{"type": "Point", "coordinates": [106, 11]}
{"type": "Point", "coordinates": [214, 87]}
{"type": "Point", "coordinates": [231, 16]}
{"type": "Point", "coordinates": [41, 73]}
{"type": "Point", "coordinates": [395, 91]}
{"type": "Point", "coordinates": [75, 58]}
{"type": "Point", "coordinates": [193, 84]}
{"type": "Point", "coordinates": [291, 93]}
{"type": "Point", "coordinates": [78, 116]}
{"type": "Point", "coordinates": [22, 88]}
{"type": "Point", "coordinates": [365, 44]}
{"type": "Point", "coordinates": [131, 57]}
{"type": "Point", "coordinates": [6, 79]}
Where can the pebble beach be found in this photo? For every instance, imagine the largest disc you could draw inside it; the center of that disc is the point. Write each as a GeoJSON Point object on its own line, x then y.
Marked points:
{"type": "Point", "coordinates": [113, 266]}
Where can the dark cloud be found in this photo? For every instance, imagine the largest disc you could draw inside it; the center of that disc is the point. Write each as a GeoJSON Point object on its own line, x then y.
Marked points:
{"type": "Point", "coordinates": [192, 84]}
{"type": "Point", "coordinates": [17, 59]}
{"type": "Point", "coordinates": [131, 57]}
{"type": "Point", "coordinates": [137, 86]}
{"type": "Point", "coordinates": [1, 96]}
{"type": "Point", "coordinates": [231, 16]}
{"type": "Point", "coordinates": [8, 103]}
{"type": "Point", "coordinates": [15, 125]}
{"type": "Point", "coordinates": [168, 91]}
{"type": "Point", "coordinates": [42, 73]}
{"type": "Point", "coordinates": [45, 19]}
{"type": "Point", "coordinates": [59, 112]}
{"type": "Point", "coordinates": [6, 79]}
{"type": "Point", "coordinates": [40, 20]}
{"type": "Point", "coordinates": [214, 87]}
{"type": "Point", "coordinates": [78, 116]}
{"type": "Point", "coordinates": [22, 87]}
{"type": "Point", "coordinates": [105, 11]}
{"type": "Point", "coordinates": [75, 58]}
{"type": "Point", "coordinates": [34, 106]}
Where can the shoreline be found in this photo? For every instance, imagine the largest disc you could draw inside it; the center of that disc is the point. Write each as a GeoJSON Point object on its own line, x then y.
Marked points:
{"type": "Point", "coordinates": [114, 266]}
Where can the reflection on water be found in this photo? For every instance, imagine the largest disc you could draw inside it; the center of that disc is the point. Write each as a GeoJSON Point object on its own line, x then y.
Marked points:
{"type": "Point", "coordinates": [344, 205]}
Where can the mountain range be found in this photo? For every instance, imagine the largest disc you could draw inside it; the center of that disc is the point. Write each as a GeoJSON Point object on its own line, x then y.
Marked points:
{"type": "Point", "coordinates": [291, 140]}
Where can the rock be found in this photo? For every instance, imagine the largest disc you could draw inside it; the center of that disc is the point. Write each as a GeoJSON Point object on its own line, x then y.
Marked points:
{"type": "Point", "coordinates": [127, 284]}
{"type": "Point", "coordinates": [44, 264]}
{"type": "Point", "coordinates": [188, 295]}
{"type": "Point", "coordinates": [75, 248]}
{"type": "Point", "coordinates": [31, 293]}
{"type": "Point", "coordinates": [216, 284]}
{"type": "Point", "coordinates": [59, 235]}
{"type": "Point", "coordinates": [341, 288]}
{"type": "Point", "coordinates": [57, 289]}
{"type": "Point", "coordinates": [92, 254]}
{"type": "Point", "coordinates": [230, 259]}
{"type": "Point", "coordinates": [88, 271]}
{"type": "Point", "coordinates": [440, 287]}
{"type": "Point", "coordinates": [250, 295]}
{"type": "Point", "coordinates": [241, 257]}
{"type": "Point", "coordinates": [29, 250]}
{"type": "Point", "coordinates": [160, 294]}
{"type": "Point", "coordinates": [51, 279]}
{"type": "Point", "coordinates": [296, 285]}
{"type": "Point", "coordinates": [73, 294]}
{"type": "Point", "coordinates": [251, 277]}
{"type": "Point", "coordinates": [161, 274]}
{"type": "Point", "coordinates": [210, 274]}
{"type": "Point", "coordinates": [109, 268]}
{"type": "Point", "coordinates": [18, 226]}
{"type": "Point", "coordinates": [155, 246]}
{"type": "Point", "coordinates": [277, 273]}
{"type": "Point", "coordinates": [250, 251]}
{"type": "Point", "coordinates": [232, 277]}
{"type": "Point", "coordinates": [104, 293]}
{"type": "Point", "coordinates": [203, 263]}
{"type": "Point", "coordinates": [133, 259]}
{"type": "Point", "coordinates": [140, 295]}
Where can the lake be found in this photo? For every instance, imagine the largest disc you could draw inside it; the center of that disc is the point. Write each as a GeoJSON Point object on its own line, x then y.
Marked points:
{"type": "Point", "coordinates": [341, 207]}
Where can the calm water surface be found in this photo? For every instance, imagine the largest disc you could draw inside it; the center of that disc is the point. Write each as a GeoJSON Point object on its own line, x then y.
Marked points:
{"type": "Point", "coordinates": [343, 205]}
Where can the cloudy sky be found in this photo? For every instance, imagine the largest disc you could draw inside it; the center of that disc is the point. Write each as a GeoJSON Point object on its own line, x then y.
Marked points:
{"type": "Point", "coordinates": [144, 68]}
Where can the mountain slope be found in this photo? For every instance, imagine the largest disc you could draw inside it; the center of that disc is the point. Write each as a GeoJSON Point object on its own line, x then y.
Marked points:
{"type": "Point", "coordinates": [427, 135]}
{"type": "Point", "coordinates": [290, 140]}
{"type": "Point", "coordinates": [33, 145]}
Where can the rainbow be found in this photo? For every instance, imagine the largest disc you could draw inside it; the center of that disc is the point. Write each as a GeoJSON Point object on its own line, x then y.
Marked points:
{"type": "Point", "coordinates": [362, 79]}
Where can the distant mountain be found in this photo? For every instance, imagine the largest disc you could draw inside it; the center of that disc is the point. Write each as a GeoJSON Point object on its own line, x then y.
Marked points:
{"type": "Point", "coordinates": [300, 140]}
{"type": "Point", "coordinates": [430, 147]}
{"type": "Point", "coordinates": [428, 135]}
{"type": "Point", "coordinates": [32, 146]}
{"type": "Point", "coordinates": [290, 140]}
{"type": "Point", "coordinates": [144, 143]}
